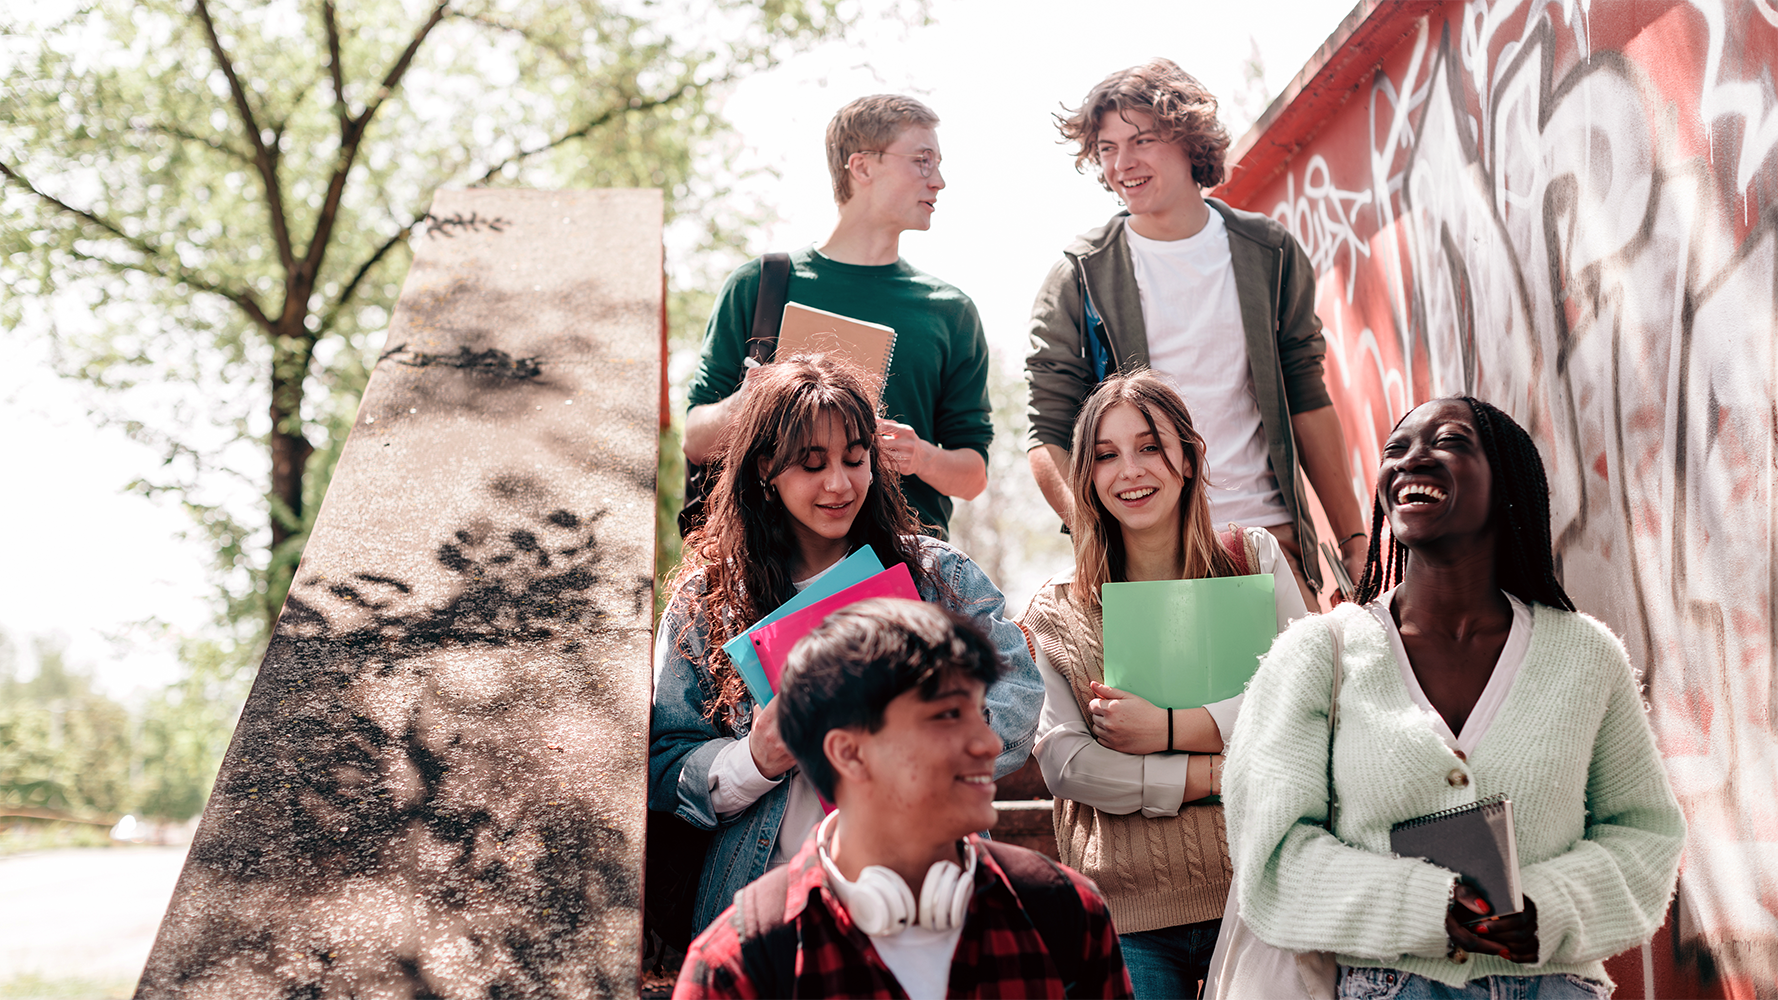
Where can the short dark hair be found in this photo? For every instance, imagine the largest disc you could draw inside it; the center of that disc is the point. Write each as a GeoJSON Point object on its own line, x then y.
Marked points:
{"type": "Point", "coordinates": [1184, 112]}
{"type": "Point", "coordinates": [844, 674]}
{"type": "Point", "coordinates": [1524, 562]}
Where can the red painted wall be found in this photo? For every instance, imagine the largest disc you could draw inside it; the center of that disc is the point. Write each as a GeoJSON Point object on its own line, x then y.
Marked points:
{"type": "Point", "coordinates": [1569, 209]}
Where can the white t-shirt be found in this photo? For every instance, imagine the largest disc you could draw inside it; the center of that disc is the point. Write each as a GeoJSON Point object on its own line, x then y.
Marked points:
{"type": "Point", "coordinates": [1195, 338]}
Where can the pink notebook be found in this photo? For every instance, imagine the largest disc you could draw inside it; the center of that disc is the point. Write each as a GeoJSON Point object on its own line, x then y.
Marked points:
{"type": "Point", "coordinates": [772, 642]}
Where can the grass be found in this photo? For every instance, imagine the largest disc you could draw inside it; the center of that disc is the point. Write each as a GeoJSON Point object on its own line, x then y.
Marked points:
{"type": "Point", "coordinates": [34, 987]}
{"type": "Point", "coordinates": [40, 835]}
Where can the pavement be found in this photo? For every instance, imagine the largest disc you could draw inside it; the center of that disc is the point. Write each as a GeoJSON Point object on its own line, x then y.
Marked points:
{"type": "Point", "coordinates": [79, 922]}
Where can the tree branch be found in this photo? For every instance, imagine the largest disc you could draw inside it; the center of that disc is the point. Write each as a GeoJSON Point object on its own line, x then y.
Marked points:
{"type": "Point", "coordinates": [567, 58]}
{"type": "Point", "coordinates": [351, 136]}
{"type": "Point", "coordinates": [330, 22]}
{"type": "Point", "coordinates": [263, 157]}
{"type": "Point", "coordinates": [584, 130]}
{"type": "Point", "coordinates": [155, 261]}
{"type": "Point", "coordinates": [220, 147]}
{"type": "Point", "coordinates": [351, 288]}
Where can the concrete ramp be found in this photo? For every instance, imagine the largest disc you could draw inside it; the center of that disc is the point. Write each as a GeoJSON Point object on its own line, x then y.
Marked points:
{"type": "Point", "coordinates": [437, 785]}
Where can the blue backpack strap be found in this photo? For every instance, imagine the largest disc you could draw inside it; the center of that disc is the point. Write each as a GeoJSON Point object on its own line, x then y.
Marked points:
{"type": "Point", "coordinates": [1097, 352]}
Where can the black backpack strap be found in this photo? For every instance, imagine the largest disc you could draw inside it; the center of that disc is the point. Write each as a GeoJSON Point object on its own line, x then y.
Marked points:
{"type": "Point", "coordinates": [1049, 899]}
{"type": "Point", "coordinates": [762, 343]}
{"type": "Point", "coordinates": [768, 944]}
{"type": "Point", "coordinates": [768, 307]}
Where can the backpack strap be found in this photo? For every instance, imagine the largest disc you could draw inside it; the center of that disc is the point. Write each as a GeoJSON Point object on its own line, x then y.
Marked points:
{"type": "Point", "coordinates": [768, 307]}
{"type": "Point", "coordinates": [1235, 541]}
{"type": "Point", "coordinates": [1049, 899]}
{"type": "Point", "coordinates": [768, 944]}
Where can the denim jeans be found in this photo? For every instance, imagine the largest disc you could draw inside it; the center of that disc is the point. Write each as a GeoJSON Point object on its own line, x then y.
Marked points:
{"type": "Point", "coordinates": [1394, 984]}
{"type": "Point", "coordinates": [1169, 963]}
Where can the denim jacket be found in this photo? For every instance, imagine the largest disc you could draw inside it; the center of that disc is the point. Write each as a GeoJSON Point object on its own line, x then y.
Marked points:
{"type": "Point", "coordinates": [683, 743]}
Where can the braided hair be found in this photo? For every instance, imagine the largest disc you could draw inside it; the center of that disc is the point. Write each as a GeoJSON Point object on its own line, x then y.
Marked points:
{"type": "Point", "coordinates": [1524, 564]}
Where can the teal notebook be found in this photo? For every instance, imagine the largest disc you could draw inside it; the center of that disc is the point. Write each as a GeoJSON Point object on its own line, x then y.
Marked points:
{"type": "Point", "coordinates": [1187, 643]}
{"type": "Point", "coordinates": [858, 566]}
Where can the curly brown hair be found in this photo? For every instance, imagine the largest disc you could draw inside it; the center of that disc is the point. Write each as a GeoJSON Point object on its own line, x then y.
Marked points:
{"type": "Point", "coordinates": [1184, 112]}
{"type": "Point", "coordinates": [737, 566]}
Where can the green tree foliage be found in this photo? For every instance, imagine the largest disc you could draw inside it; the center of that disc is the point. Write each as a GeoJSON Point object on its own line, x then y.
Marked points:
{"type": "Point", "coordinates": [69, 750]}
{"type": "Point", "coordinates": [225, 189]}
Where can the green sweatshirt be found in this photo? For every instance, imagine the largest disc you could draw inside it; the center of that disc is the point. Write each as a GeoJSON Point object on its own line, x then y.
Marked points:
{"type": "Point", "coordinates": [938, 380]}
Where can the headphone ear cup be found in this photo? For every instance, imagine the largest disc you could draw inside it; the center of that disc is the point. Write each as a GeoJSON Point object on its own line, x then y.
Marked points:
{"type": "Point", "coordinates": [881, 903]}
{"type": "Point", "coordinates": [942, 905]}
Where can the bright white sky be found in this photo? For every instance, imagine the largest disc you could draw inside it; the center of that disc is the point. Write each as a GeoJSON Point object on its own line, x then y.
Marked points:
{"type": "Point", "coordinates": [85, 560]}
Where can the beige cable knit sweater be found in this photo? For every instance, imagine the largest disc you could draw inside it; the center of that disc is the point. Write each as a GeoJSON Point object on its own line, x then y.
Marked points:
{"type": "Point", "coordinates": [1155, 872]}
{"type": "Point", "coordinates": [1599, 831]}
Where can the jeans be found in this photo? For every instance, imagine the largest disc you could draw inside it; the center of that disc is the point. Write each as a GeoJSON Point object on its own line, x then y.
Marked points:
{"type": "Point", "coordinates": [1169, 963]}
{"type": "Point", "coordinates": [1394, 984]}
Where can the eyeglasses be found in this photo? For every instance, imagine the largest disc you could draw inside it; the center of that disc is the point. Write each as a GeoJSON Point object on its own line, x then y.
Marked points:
{"type": "Point", "coordinates": [926, 161]}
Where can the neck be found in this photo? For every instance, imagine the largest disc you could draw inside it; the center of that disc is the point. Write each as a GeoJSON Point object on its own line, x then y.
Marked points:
{"type": "Point", "coordinates": [1156, 553]}
{"type": "Point", "coordinates": [1181, 222]}
{"type": "Point", "coordinates": [858, 239]}
{"type": "Point", "coordinates": [1455, 594]}
{"type": "Point", "coordinates": [862, 837]}
{"type": "Point", "coordinates": [814, 554]}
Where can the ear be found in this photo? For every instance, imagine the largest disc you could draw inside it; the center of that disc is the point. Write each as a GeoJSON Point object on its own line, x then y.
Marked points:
{"type": "Point", "coordinates": [861, 167]}
{"type": "Point", "coordinates": [761, 467]}
{"type": "Point", "coordinates": [845, 754]}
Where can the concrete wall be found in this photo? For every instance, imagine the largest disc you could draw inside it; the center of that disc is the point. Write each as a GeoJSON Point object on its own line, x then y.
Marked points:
{"type": "Point", "coordinates": [436, 787]}
{"type": "Point", "coordinates": [1569, 209]}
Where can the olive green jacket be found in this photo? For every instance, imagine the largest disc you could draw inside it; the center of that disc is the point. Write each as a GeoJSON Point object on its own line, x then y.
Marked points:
{"type": "Point", "coordinates": [1276, 288]}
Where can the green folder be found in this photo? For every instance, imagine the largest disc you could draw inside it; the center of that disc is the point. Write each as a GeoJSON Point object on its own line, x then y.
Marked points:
{"type": "Point", "coordinates": [1187, 643]}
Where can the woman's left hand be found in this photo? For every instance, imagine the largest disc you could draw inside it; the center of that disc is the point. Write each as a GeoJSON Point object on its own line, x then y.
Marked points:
{"type": "Point", "coordinates": [1513, 937]}
{"type": "Point", "coordinates": [1125, 722]}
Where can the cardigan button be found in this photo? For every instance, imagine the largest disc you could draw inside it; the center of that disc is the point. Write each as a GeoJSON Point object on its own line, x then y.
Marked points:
{"type": "Point", "coordinates": [1457, 779]}
{"type": "Point", "coordinates": [1461, 755]}
{"type": "Point", "coordinates": [1459, 956]}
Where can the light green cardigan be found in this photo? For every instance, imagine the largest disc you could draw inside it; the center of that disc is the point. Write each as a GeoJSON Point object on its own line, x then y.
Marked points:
{"type": "Point", "coordinates": [1599, 831]}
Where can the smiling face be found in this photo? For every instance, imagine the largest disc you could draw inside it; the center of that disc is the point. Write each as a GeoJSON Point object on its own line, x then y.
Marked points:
{"type": "Point", "coordinates": [932, 761]}
{"type": "Point", "coordinates": [1130, 471]}
{"type": "Point", "coordinates": [1152, 176]}
{"type": "Point", "coordinates": [898, 194]}
{"type": "Point", "coordinates": [1434, 482]}
{"type": "Point", "coordinates": [823, 492]}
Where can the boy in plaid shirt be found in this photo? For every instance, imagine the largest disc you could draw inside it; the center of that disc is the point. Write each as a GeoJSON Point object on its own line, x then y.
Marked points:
{"type": "Point", "coordinates": [884, 710]}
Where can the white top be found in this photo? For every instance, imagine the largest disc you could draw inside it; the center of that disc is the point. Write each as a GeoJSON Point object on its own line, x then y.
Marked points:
{"type": "Point", "coordinates": [1195, 337]}
{"type": "Point", "coordinates": [918, 956]}
{"type": "Point", "coordinates": [1076, 766]}
{"type": "Point", "coordinates": [736, 783]}
{"type": "Point", "coordinates": [1506, 670]}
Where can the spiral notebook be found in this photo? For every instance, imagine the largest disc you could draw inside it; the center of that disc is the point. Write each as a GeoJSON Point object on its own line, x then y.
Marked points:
{"type": "Point", "coordinates": [1475, 841]}
{"type": "Point", "coordinates": [870, 346]}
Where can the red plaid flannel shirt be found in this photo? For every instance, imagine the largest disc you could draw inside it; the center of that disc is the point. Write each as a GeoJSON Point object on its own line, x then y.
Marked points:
{"type": "Point", "coordinates": [999, 955]}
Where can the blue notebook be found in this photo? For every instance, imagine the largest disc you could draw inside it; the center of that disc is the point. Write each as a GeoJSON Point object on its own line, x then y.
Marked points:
{"type": "Point", "coordinates": [855, 568]}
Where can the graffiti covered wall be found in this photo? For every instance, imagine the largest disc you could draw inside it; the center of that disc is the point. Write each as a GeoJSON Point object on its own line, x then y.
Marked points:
{"type": "Point", "coordinates": [1570, 209]}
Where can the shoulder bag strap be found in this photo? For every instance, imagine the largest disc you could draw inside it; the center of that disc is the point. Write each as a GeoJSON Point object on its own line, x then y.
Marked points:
{"type": "Point", "coordinates": [1338, 632]}
{"type": "Point", "coordinates": [768, 307]}
{"type": "Point", "coordinates": [768, 944]}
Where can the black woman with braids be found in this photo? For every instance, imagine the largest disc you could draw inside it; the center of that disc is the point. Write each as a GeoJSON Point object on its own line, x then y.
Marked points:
{"type": "Point", "coordinates": [1465, 672]}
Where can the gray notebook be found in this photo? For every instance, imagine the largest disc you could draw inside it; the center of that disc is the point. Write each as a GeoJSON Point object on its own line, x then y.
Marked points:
{"type": "Point", "coordinates": [1475, 841]}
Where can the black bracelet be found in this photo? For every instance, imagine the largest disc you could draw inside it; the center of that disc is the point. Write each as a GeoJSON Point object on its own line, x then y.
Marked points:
{"type": "Point", "coordinates": [1341, 543]}
{"type": "Point", "coordinates": [1169, 729]}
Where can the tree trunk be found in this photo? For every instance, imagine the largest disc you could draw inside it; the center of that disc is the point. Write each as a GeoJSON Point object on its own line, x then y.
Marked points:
{"type": "Point", "coordinates": [290, 448]}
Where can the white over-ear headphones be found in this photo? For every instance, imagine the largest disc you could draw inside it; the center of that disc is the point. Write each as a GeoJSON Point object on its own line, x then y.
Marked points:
{"type": "Point", "coordinates": [880, 902]}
